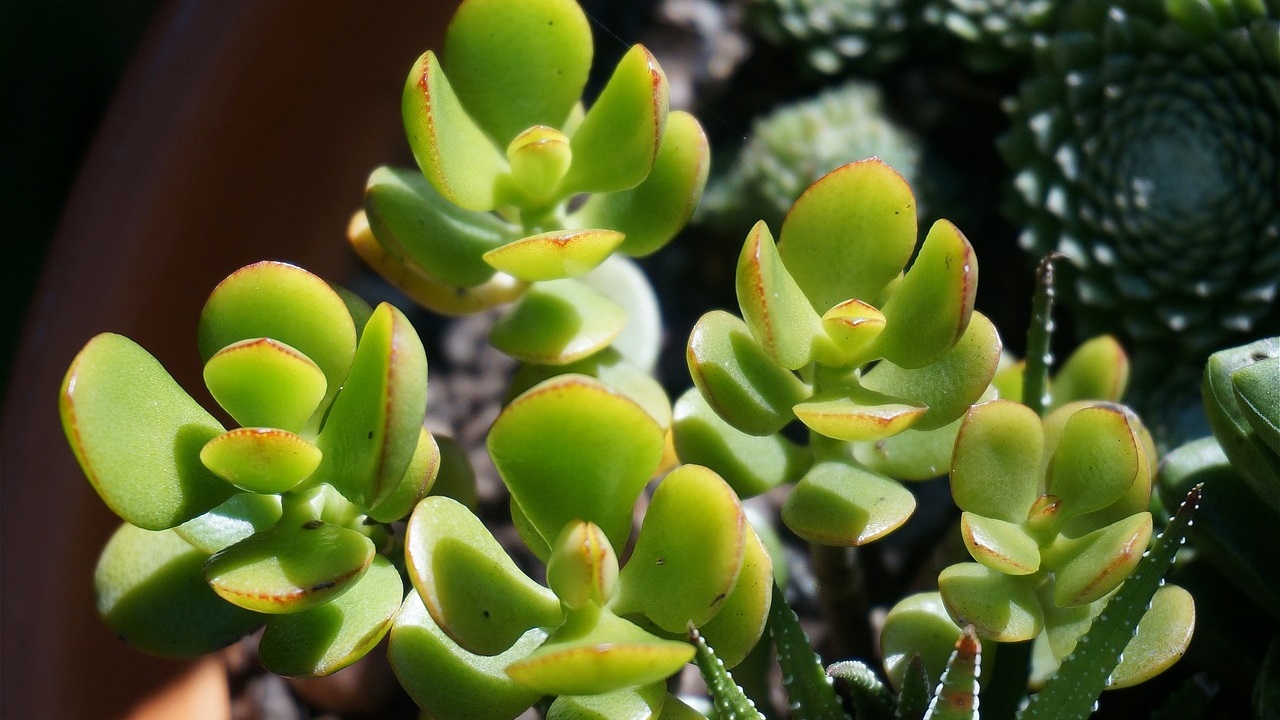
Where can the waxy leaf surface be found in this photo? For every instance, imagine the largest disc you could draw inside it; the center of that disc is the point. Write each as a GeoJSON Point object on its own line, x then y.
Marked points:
{"type": "Point", "coordinates": [1000, 545]}
{"type": "Point", "coordinates": [1097, 370]}
{"type": "Point", "coordinates": [855, 413]}
{"type": "Point", "coordinates": [1095, 461]}
{"type": "Point", "coordinates": [750, 464]}
{"type": "Point", "coordinates": [417, 481]}
{"type": "Point", "coordinates": [1001, 607]}
{"type": "Point", "coordinates": [996, 466]}
{"type": "Point", "coordinates": [780, 317]}
{"type": "Point", "coordinates": [242, 515]}
{"type": "Point", "coordinates": [554, 255]}
{"type": "Point", "coordinates": [583, 567]}
{"type": "Point", "coordinates": [842, 505]}
{"type": "Point", "coordinates": [1093, 565]}
{"type": "Point", "coordinates": [264, 383]}
{"type": "Point", "coordinates": [641, 703]}
{"type": "Point", "coordinates": [739, 624]}
{"type": "Point", "coordinates": [261, 460]}
{"type": "Point", "coordinates": [558, 322]}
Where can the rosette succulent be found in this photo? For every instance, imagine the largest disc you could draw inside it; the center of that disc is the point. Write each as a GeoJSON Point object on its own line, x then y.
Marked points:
{"type": "Point", "coordinates": [576, 456]}
{"type": "Point", "coordinates": [876, 363]}
{"type": "Point", "coordinates": [1143, 149]}
{"type": "Point", "coordinates": [834, 34]}
{"type": "Point", "coordinates": [1055, 514]}
{"type": "Point", "coordinates": [798, 143]}
{"type": "Point", "coordinates": [995, 33]}
{"type": "Point", "coordinates": [281, 520]}
{"type": "Point", "coordinates": [520, 189]}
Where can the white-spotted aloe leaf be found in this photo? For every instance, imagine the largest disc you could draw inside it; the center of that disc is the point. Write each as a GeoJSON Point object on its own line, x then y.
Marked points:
{"type": "Point", "coordinates": [329, 637]}
{"type": "Point", "coordinates": [598, 652]}
{"type": "Point", "coordinates": [554, 255]}
{"type": "Point", "coordinates": [738, 379]}
{"type": "Point", "coordinates": [751, 464]}
{"type": "Point", "coordinates": [287, 304]}
{"type": "Point", "coordinates": [447, 681]}
{"type": "Point", "coordinates": [949, 384]}
{"type": "Point", "coordinates": [841, 504]}
{"type": "Point", "coordinates": [290, 567]}
{"type": "Point", "coordinates": [640, 703]}
{"type": "Point", "coordinates": [151, 593]}
{"type": "Point", "coordinates": [516, 65]}
{"type": "Point", "coordinates": [810, 691]}
{"type": "Point", "coordinates": [370, 434]}
{"type": "Point", "coordinates": [1001, 607]}
{"type": "Point", "coordinates": [957, 694]}
{"type": "Point", "coordinates": [730, 702]}
{"type": "Point", "coordinates": [996, 465]}
{"type": "Point", "coordinates": [651, 213]}
{"type": "Point", "coordinates": [850, 234]}
{"type": "Point", "coordinates": [261, 460]}
{"type": "Point", "coordinates": [472, 587]}
{"type": "Point", "coordinates": [262, 382]}
{"type": "Point", "coordinates": [617, 142]}
{"type": "Point", "coordinates": [138, 434]}
{"type": "Point", "coordinates": [781, 319]}
{"type": "Point", "coordinates": [570, 449]}
{"type": "Point", "coordinates": [1082, 677]}
{"type": "Point", "coordinates": [558, 322]}
{"type": "Point", "coordinates": [682, 572]}
{"type": "Point", "coordinates": [930, 309]}
{"type": "Point", "coordinates": [739, 624]}
{"type": "Point", "coordinates": [411, 219]}
{"type": "Point", "coordinates": [871, 698]}
{"type": "Point", "coordinates": [234, 520]}
{"type": "Point", "coordinates": [915, 693]}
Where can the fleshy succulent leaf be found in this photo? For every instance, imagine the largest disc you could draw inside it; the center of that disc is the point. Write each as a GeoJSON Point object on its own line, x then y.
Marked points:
{"type": "Point", "coordinates": [850, 234]}
{"type": "Point", "coordinates": [558, 322]}
{"type": "Point", "coordinates": [370, 434]}
{"type": "Point", "coordinates": [290, 567]}
{"type": "Point", "coordinates": [1091, 566]}
{"type": "Point", "coordinates": [856, 413]}
{"type": "Point", "coordinates": [554, 255]}
{"type": "Point", "coordinates": [996, 467]}
{"type": "Point", "coordinates": [1256, 463]}
{"type": "Point", "coordinates": [329, 637]}
{"type": "Point", "coordinates": [242, 515]}
{"type": "Point", "coordinates": [151, 593]}
{"type": "Point", "coordinates": [1001, 607]}
{"type": "Point", "coordinates": [1096, 459]}
{"type": "Point", "coordinates": [682, 572]}
{"type": "Point", "coordinates": [641, 703]}
{"type": "Point", "coordinates": [775, 309]}
{"type": "Point", "coordinates": [738, 379]}
{"type": "Point", "coordinates": [472, 587]}
{"type": "Point", "coordinates": [1000, 545]}
{"type": "Point", "coordinates": [1096, 370]}
{"type": "Point", "coordinates": [738, 625]}
{"type": "Point", "coordinates": [583, 567]}
{"type": "Point", "coordinates": [414, 485]}
{"type": "Point", "coordinates": [617, 142]}
{"type": "Point", "coordinates": [851, 326]}
{"type": "Point", "coordinates": [841, 504]}
{"type": "Point", "coordinates": [261, 460]}
{"type": "Point", "coordinates": [611, 368]}
{"type": "Point", "coordinates": [1257, 389]}
{"type": "Point", "coordinates": [138, 434]}
{"type": "Point", "coordinates": [917, 628]}
{"type": "Point", "coordinates": [262, 382]}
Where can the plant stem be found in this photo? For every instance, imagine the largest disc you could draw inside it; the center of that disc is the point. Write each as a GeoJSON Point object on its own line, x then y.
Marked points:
{"type": "Point", "coordinates": [1035, 380]}
{"type": "Point", "coordinates": [842, 594]}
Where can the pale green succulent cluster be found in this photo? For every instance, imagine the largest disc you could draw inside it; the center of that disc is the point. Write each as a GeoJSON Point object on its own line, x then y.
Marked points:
{"type": "Point", "coordinates": [996, 33]}
{"type": "Point", "coordinates": [1144, 149]}
{"type": "Point", "coordinates": [835, 34]}
{"type": "Point", "coordinates": [798, 143]}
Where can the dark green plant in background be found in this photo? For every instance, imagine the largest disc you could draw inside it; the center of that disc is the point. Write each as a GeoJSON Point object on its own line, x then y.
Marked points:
{"type": "Point", "coordinates": [996, 33]}
{"type": "Point", "coordinates": [831, 35]}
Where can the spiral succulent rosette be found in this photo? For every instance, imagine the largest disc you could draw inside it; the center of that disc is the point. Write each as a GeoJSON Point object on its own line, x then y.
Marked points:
{"type": "Point", "coordinates": [835, 34]}
{"type": "Point", "coordinates": [1144, 150]}
{"type": "Point", "coordinates": [996, 33]}
{"type": "Point", "coordinates": [798, 143]}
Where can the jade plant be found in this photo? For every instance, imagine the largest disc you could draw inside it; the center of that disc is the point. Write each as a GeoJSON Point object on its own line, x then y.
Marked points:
{"type": "Point", "coordinates": [877, 361]}
{"type": "Point", "coordinates": [576, 456]}
{"type": "Point", "coordinates": [521, 189]}
{"type": "Point", "coordinates": [281, 520]}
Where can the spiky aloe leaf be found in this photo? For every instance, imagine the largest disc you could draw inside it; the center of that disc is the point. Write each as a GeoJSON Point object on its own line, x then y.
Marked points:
{"type": "Point", "coordinates": [871, 697]}
{"type": "Point", "coordinates": [1083, 675]}
{"type": "Point", "coordinates": [957, 695]}
{"type": "Point", "coordinates": [810, 692]}
{"type": "Point", "coordinates": [729, 700]}
{"type": "Point", "coordinates": [913, 698]}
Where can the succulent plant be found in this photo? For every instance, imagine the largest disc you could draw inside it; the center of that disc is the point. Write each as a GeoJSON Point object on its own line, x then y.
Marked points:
{"type": "Point", "coordinates": [576, 456]}
{"type": "Point", "coordinates": [833, 34]}
{"type": "Point", "coordinates": [280, 521]}
{"type": "Point", "coordinates": [504, 144]}
{"type": "Point", "coordinates": [1143, 149]}
{"type": "Point", "coordinates": [876, 363]}
{"type": "Point", "coordinates": [996, 33]}
{"type": "Point", "coordinates": [798, 143]}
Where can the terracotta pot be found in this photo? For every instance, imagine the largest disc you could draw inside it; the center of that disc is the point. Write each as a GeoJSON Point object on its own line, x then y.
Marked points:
{"type": "Point", "coordinates": [243, 130]}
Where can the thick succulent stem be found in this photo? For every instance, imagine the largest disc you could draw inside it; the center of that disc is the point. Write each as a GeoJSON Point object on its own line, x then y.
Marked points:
{"type": "Point", "coordinates": [842, 594]}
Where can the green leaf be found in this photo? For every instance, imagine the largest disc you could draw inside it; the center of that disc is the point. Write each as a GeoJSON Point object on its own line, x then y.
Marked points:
{"type": "Point", "coordinates": [911, 454]}
{"type": "Point", "coordinates": [573, 449]}
{"type": "Point", "coordinates": [1093, 565]}
{"type": "Point", "coordinates": [871, 698]}
{"type": "Point", "coordinates": [950, 384]}
{"type": "Point", "coordinates": [372, 430]}
{"type": "Point", "coordinates": [329, 637]}
{"type": "Point", "coordinates": [651, 213]}
{"type": "Point", "coordinates": [641, 703]}
{"type": "Point", "coordinates": [751, 465]}
{"type": "Point", "coordinates": [554, 255]}
{"type": "Point", "coordinates": [738, 379]}
{"type": "Point", "coordinates": [850, 326]}
{"type": "Point", "coordinates": [930, 309]}
{"type": "Point", "coordinates": [583, 567]}
{"type": "Point", "coordinates": [262, 460]}
{"type": "Point", "coordinates": [539, 157]}
{"type": "Point", "coordinates": [137, 435]}
{"type": "Point", "coordinates": [810, 692]}
{"type": "Point", "coordinates": [1000, 545]}
{"type": "Point", "coordinates": [557, 323]}
{"type": "Point", "coordinates": [413, 221]}
{"type": "Point", "coordinates": [777, 312]}
{"type": "Point", "coordinates": [447, 681]}
{"type": "Point", "coordinates": [1001, 607]}
{"type": "Point", "coordinates": [1257, 389]}
{"type": "Point", "coordinates": [287, 304]}
{"type": "Point", "coordinates": [850, 234]}
{"type": "Point", "coordinates": [151, 593]}
{"type": "Point", "coordinates": [472, 587]}
{"type": "Point", "coordinates": [681, 572]}
{"type": "Point", "coordinates": [1096, 370]}
{"type": "Point", "coordinates": [917, 628]}
{"type": "Point", "coordinates": [1083, 674]}
{"type": "Point", "coordinates": [620, 279]}
{"type": "Point", "coordinates": [913, 700]}
{"type": "Point", "coordinates": [617, 142]}
{"type": "Point", "coordinates": [1161, 639]}
{"type": "Point", "coordinates": [261, 382]}
{"type": "Point", "coordinates": [1097, 459]}
{"type": "Point", "coordinates": [290, 567]}
{"type": "Point", "coordinates": [599, 652]}
{"type": "Point", "coordinates": [841, 504]}
{"type": "Point", "coordinates": [738, 625]}
{"type": "Point", "coordinates": [729, 700]}
{"type": "Point", "coordinates": [611, 368]}
{"type": "Point", "coordinates": [995, 469]}
{"type": "Point", "coordinates": [1252, 458]}
{"type": "Point", "coordinates": [957, 696]}
{"type": "Point", "coordinates": [516, 65]}
{"type": "Point", "coordinates": [854, 413]}
{"type": "Point", "coordinates": [417, 481]}
{"type": "Point", "coordinates": [242, 515]}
